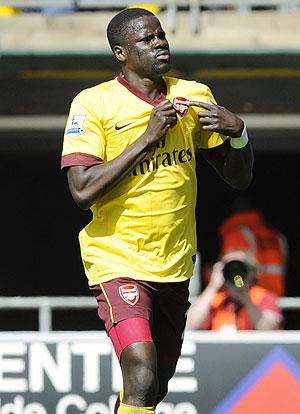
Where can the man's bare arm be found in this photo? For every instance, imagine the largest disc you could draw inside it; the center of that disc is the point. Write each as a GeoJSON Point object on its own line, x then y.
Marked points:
{"type": "Point", "coordinates": [88, 184]}
{"type": "Point", "coordinates": [235, 166]}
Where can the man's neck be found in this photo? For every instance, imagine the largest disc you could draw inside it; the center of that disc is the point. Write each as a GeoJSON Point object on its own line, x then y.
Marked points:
{"type": "Point", "coordinates": [151, 87]}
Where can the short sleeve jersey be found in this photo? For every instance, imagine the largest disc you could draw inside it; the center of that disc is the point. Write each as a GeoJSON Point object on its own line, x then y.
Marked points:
{"type": "Point", "coordinates": [143, 228]}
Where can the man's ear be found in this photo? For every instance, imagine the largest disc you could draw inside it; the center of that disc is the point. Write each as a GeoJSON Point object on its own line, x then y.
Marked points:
{"type": "Point", "coordinates": [120, 53]}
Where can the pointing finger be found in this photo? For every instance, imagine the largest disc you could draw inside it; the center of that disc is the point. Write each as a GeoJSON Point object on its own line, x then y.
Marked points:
{"type": "Point", "coordinates": [201, 104]}
{"type": "Point", "coordinates": [206, 114]}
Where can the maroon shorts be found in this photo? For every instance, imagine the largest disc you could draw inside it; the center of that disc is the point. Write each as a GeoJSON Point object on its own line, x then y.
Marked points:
{"type": "Point", "coordinates": [164, 305]}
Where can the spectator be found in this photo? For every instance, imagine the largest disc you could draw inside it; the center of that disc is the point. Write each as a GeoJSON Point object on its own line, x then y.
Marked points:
{"type": "Point", "coordinates": [152, 7]}
{"type": "Point", "coordinates": [233, 300]}
{"type": "Point", "coordinates": [8, 11]}
{"type": "Point", "coordinates": [245, 229]}
{"type": "Point", "coordinates": [54, 7]}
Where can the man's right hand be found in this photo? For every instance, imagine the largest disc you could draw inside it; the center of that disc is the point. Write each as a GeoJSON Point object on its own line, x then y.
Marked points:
{"type": "Point", "coordinates": [217, 279]}
{"type": "Point", "coordinates": [162, 118]}
{"type": "Point", "coordinates": [89, 184]}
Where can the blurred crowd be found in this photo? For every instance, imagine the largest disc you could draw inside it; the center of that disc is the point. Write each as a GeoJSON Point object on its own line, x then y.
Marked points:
{"type": "Point", "coordinates": [241, 289]}
{"type": "Point", "coordinates": [9, 11]}
{"type": "Point", "coordinates": [154, 8]}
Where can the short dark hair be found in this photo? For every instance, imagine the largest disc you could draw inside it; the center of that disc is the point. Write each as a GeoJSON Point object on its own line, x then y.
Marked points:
{"type": "Point", "coordinates": [117, 27]}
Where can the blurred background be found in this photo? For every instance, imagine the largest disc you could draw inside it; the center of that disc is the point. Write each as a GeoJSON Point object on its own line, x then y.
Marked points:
{"type": "Point", "coordinates": [248, 52]}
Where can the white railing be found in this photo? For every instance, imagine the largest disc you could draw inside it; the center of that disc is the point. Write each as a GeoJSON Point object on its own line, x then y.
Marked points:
{"type": "Point", "coordinates": [45, 305]}
{"type": "Point", "coordinates": [171, 6]}
{"type": "Point", "coordinates": [58, 122]}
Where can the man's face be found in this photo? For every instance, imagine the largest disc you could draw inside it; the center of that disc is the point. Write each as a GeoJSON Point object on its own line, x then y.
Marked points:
{"type": "Point", "coordinates": [146, 47]}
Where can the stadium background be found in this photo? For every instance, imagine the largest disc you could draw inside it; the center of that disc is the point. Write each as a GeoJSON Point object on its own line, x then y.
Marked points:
{"type": "Point", "coordinates": [46, 60]}
{"type": "Point", "coordinates": [251, 60]}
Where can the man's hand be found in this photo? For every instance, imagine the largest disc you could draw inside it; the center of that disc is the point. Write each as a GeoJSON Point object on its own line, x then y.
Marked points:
{"type": "Point", "coordinates": [162, 118]}
{"type": "Point", "coordinates": [217, 279]}
{"type": "Point", "coordinates": [89, 183]}
{"type": "Point", "coordinates": [216, 118]}
{"type": "Point", "coordinates": [239, 294]}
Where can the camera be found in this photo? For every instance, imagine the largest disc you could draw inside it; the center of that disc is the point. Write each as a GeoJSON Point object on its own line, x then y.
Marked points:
{"type": "Point", "coordinates": [236, 272]}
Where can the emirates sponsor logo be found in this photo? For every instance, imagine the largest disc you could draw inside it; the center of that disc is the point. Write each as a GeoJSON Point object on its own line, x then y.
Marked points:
{"type": "Point", "coordinates": [181, 106]}
{"type": "Point", "coordinates": [129, 293]}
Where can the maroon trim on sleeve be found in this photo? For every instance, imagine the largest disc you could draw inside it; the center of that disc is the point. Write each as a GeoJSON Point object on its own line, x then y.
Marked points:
{"type": "Point", "coordinates": [139, 93]}
{"type": "Point", "coordinates": [79, 158]}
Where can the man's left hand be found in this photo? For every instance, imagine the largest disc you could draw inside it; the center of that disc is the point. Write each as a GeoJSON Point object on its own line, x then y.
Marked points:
{"type": "Point", "coordinates": [216, 118]}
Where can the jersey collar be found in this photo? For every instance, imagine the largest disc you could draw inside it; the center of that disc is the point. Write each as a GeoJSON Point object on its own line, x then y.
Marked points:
{"type": "Point", "coordinates": [138, 93]}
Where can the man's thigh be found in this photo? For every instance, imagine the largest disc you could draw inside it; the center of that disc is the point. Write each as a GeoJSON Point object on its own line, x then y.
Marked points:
{"type": "Point", "coordinates": [164, 305]}
{"type": "Point", "coordinates": [169, 319]}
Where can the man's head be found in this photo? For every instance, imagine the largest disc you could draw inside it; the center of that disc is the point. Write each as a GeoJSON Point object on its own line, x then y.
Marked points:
{"type": "Point", "coordinates": [138, 42]}
{"type": "Point", "coordinates": [119, 25]}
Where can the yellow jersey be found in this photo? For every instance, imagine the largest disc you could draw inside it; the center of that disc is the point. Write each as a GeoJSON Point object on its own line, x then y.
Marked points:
{"type": "Point", "coordinates": [145, 227]}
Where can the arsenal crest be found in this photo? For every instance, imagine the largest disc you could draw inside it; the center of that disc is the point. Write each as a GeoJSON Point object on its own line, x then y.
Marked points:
{"type": "Point", "coordinates": [181, 106]}
{"type": "Point", "coordinates": [129, 293]}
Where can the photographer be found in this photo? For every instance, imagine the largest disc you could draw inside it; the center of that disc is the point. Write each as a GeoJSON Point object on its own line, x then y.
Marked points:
{"type": "Point", "coordinates": [233, 300]}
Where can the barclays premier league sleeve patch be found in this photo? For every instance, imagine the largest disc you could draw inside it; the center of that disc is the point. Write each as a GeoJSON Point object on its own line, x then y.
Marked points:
{"type": "Point", "coordinates": [181, 106]}
{"type": "Point", "coordinates": [76, 128]}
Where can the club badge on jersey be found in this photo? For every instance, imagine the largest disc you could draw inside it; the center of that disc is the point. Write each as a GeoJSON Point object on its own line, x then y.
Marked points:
{"type": "Point", "coordinates": [129, 293]}
{"type": "Point", "coordinates": [181, 106]}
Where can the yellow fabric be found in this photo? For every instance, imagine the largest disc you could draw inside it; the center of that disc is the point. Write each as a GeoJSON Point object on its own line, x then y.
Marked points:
{"type": "Point", "coordinates": [153, 8]}
{"type": "Point", "coordinates": [8, 11]}
{"type": "Point", "coordinates": [144, 228]}
{"type": "Point", "coordinates": [130, 409]}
